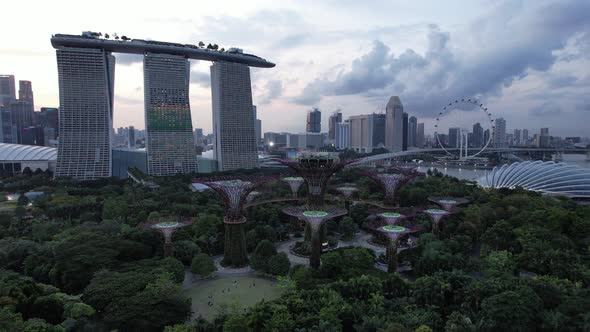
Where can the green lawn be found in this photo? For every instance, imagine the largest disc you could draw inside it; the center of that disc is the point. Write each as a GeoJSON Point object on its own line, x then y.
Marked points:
{"type": "Point", "coordinates": [244, 294]}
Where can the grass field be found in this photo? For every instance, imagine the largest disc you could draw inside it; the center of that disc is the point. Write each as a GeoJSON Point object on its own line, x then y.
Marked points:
{"type": "Point", "coordinates": [247, 292]}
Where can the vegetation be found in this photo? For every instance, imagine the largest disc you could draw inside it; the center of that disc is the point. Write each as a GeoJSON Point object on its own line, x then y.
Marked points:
{"type": "Point", "coordinates": [76, 260]}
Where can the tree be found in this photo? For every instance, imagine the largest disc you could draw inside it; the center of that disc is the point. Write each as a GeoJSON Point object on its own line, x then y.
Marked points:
{"type": "Point", "coordinates": [457, 322]}
{"type": "Point", "coordinates": [498, 263]}
{"type": "Point", "coordinates": [347, 228]}
{"type": "Point", "coordinates": [114, 209]}
{"type": "Point", "coordinates": [263, 252]}
{"type": "Point", "coordinates": [185, 250]}
{"type": "Point", "coordinates": [510, 311]}
{"type": "Point", "coordinates": [203, 265]}
{"type": "Point", "coordinates": [279, 264]}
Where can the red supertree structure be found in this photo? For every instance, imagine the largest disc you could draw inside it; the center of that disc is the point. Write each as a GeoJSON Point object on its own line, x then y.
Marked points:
{"type": "Point", "coordinates": [316, 169]}
{"type": "Point", "coordinates": [393, 227]}
{"type": "Point", "coordinates": [391, 182]}
{"type": "Point", "coordinates": [167, 228]}
{"type": "Point", "coordinates": [315, 218]}
{"type": "Point", "coordinates": [448, 203]}
{"type": "Point", "coordinates": [234, 192]}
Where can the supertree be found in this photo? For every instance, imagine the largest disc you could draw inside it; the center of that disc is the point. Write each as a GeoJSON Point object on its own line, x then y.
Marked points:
{"type": "Point", "coordinates": [448, 203]}
{"type": "Point", "coordinates": [167, 228]}
{"type": "Point", "coordinates": [234, 192]}
{"type": "Point", "coordinates": [316, 169]}
{"type": "Point", "coordinates": [314, 219]}
{"type": "Point", "coordinates": [393, 233]}
{"type": "Point", "coordinates": [294, 183]}
{"type": "Point", "coordinates": [347, 192]}
{"type": "Point", "coordinates": [391, 182]}
{"type": "Point", "coordinates": [437, 215]}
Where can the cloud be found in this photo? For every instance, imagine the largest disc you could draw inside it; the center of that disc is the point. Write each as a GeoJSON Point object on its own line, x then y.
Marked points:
{"type": "Point", "coordinates": [128, 59]}
{"type": "Point", "coordinates": [546, 109]}
{"type": "Point", "coordinates": [273, 89]}
{"type": "Point", "coordinates": [201, 78]}
{"type": "Point", "coordinates": [507, 45]}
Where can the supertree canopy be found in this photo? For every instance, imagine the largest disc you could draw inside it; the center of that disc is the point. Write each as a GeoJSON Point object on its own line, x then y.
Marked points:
{"type": "Point", "coordinates": [316, 169]}
{"type": "Point", "coordinates": [347, 191]}
{"type": "Point", "coordinates": [315, 219]}
{"type": "Point", "coordinates": [234, 191]}
{"type": "Point", "coordinates": [393, 233]}
{"type": "Point", "coordinates": [391, 182]}
{"type": "Point", "coordinates": [167, 228]}
{"type": "Point", "coordinates": [448, 203]}
{"type": "Point", "coordinates": [437, 215]}
{"type": "Point", "coordinates": [294, 183]}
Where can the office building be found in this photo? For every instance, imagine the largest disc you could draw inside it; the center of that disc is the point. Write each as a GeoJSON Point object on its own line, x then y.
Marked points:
{"type": "Point", "coordinates": [405, 132]}
{"type": "Point", "coordinates": [394, 124]}
{"type": "Point", "coordinates": [367, 132]}
{"type": "Point", "coordinates": [257, 127]}
{"type": "Point", "coordinates": [525, 137]}
{"type": "Point", "coordinates": [314, 121]}
{"type": "Point", "coordinates": [233, 118]}
{"type": "Point", "coordinates": [7, 129]}
{"type": "Point", "coordinates": [420, 135]}
{"type": "Point", "coordinates": [486, 136]}
{"type": "Point", "coordinates": [25, 91]}
{"type": "Point", "coordinates": [412, 127]}
{"type": "Point", "coordinates": [499, 138]}
{"type": "Point", "coordinates": [544, 139]}
{"type": "Point", "coordinates": [48, 119]}
{"type": "Point", "coordinates": [131, 136]}
{"type": "Point", "coordinates": [517, 136]}
{"type": "Point", "coordinates": [454, 137]}
{"type": "Point", "coordinates": [275, 140]}
{"type": "Point", "coordinates": [342, 135]}
{"type": "Point", "coordinates": [170, 144]}
{"type": "Point", "coordinates": [86, 83]}
{"type": "Point", "coordinates": [7, 89]}
{"type": "Point", "coordinates": [477, 140]}
{"type": "Point", "coordinates": [334, 119]}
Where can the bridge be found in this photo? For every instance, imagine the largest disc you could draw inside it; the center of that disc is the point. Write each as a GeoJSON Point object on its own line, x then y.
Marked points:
{"type": "Point", "coordinates": [394, 155]}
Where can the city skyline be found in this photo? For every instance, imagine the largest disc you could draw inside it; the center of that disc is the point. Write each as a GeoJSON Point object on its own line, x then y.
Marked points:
{"type": "Point", "coordinates": [537, 85]}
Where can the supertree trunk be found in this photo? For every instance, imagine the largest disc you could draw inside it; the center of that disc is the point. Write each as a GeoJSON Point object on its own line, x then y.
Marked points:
{"type": "Point", "coordinates": [235, 253]}
{"type": "Point", "coordinates": [167, 249]}
{"type": "Point", "coordinates": [316, 247]}
{"type": "Point", "coordinates": [391, 254]}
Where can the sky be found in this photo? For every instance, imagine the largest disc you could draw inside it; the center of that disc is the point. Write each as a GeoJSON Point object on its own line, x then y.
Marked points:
{"type": "Point", "coordinates": [526, 61]}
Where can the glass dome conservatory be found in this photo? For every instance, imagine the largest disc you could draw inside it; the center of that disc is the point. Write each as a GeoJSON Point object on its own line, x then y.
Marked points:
{"type": "Point", "coordinates": [545, 177]}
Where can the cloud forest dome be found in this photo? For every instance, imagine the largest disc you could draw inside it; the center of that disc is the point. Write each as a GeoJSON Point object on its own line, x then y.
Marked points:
{"type": "Point", "coordinates": [545, 177]}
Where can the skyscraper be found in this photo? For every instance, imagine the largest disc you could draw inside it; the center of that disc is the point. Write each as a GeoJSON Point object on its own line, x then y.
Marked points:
{"type": "Point", "coordinates": [25, 91]}
{"type": "Point", "coordinates": [257, 127]}
{"type": "Point", "coordinates": [517, 137]}
{"type": "Point", "coordinates": [454, 137]}
{"type": "Point", "coordinates": [233, 118]}
{"type": "Point", "coordinates": [314, 121]}
{"type": "Point", "coordinates": [367, 132]}
{"type": "Point", "coordinates": [486, 135]}
{"type": "Point", "coordinates": [394, 124]}
{"type": "Point", "coordinates": [170, 143]}
{"type": "Point", "coordinates": [405, 132]}
{"type": "Point", "coordinates": [342, 135]}
{"type": "Point", "coordinates": [131, 135]}
{"type": "Point", "coordinates": [7, 89]}
{"type": "Point", "coordinates": [477, 140]}
{"type": "Point", "coordinates": [499, 133]}
{"type": "Point", "coordinates": [334, 119]}
{"type": "Point", "coordinates": [544, 140]}
{"type": "Point", "coordinates": [525, 137]}
{"type": "Point", "coordinates": [412, 127]}
{"type": "Point", "coordinates": [86, 87]}
{"type": "Point", "coordinates": [420, 135]}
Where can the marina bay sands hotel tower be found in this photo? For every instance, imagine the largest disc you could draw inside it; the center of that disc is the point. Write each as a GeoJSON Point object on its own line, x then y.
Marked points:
{"type": "Point", "coordinates": [86, 71]}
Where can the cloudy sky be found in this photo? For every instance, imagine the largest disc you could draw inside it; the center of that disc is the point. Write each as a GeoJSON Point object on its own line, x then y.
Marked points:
{"type": "Point", "coordinates": [527, 61]}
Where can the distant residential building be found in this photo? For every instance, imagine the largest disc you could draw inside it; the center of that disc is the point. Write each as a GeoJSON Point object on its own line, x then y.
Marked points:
{"type": "Point", "coordinates": [131, 136]}
{"type": "Point", "coordinates": [524, 139]}
{"type": "Point", "coordinates": [334, 119]}
{"type": "Point", "coordinates": [342, 135]}
{"type": "Point", "coordinates": [233, 118]}
{"type": "Point", "coordinates": [420, 135]}
{"type": "Point", "coordinates": [367, 132]}
{"type": "Point", "coordinates": [499, 133]}
{"type": "Point", "coordinates": [517, 136]}
{"type": "Point", "coordinates": [394, 126]}
{"type": "Point", "coordinates": [412, 128]}
{"type": "Point", "coordinates": [314, 121]}
{"type": "Point", "coordinates": [544, 139]}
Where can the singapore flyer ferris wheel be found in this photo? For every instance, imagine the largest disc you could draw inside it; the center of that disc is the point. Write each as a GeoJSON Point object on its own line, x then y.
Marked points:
{"type": "Point", "coordinates": [460, 143]}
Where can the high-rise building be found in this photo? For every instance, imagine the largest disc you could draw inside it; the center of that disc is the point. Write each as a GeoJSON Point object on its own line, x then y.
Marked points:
{"type": "Point", "coordinates": [7, 89]}
{"type": "Point", "coordinates": [486, 135]}
{"type": "Point", "coordinates": [477, 140]}
{"type": "Point", "coordinates": [334, 119]}
{"type": "Point", "coordinates": [405, 132]}
{"type": "Point", "coordinates": [314, 121]}
{"type": "Point", "coordinates": [499, 133]}
{"type": "Point", "coordinates": [544, 139]}
{"type": "Point", "coordinates": [412, 127]}
{"type": "Point", "coordinates": [32, 135]}
{"type": "Point", "coordinates": [233, 119]}
{"type": "Point", "coordinates": [131, 136]}
{"type": "Point", "coordinates": [342, 135]}
{"type": "Point", "coordinates": [525, 137]}
{"type": "Point", "coordinates": [394, 124]}
{"type": "Point", "coordinates": [454, 137]}
{"type": "Point", "coordinates": [7, 129]}
{"type": "Point", "coordinates": [86, 87]}
{"type": "Point", "coordinates": [257, 127]}
{"type": "Point", "coordinates": [367, 132]}
{"type": "Point", "coordinates": [25, 91]}
{"type": "Point", "coordinates": [170, 144]}
{"type": "Point", "coordinates": [22, 116]}
{"type": "Point", "coordinates": [517, 136]}
{"type": "Point", "coordinates": [420, 135]}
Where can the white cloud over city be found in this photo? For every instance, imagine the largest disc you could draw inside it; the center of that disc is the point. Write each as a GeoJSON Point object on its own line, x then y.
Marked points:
{"type": "Point", "coordinates": [528, 61]}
